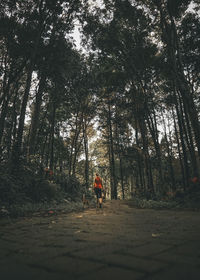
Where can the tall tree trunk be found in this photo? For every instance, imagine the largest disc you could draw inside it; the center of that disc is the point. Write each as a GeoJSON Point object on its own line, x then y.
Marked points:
{"type": "Point", "coordinates": [120, 160]}
{"type": "Point", "coordinates": [85, 138]}
{"type": "Point", "coordinates": [121, 176]}
{"type": "Point", "coordinates": [172, 41]}
{"type": "Point", "coordinates": [148, 168]}
{"type": "Point", "coordinates": [42, 127]}
{"type": "Point", "coordinates": [185, 122]}
{"type": "Point", "coordinates": [60, 150]}
{"type": "Point", "coordinates": [4, 108]}
{"type": "Point", "coordinates": [77, 149]}
{"type": "Point", "coordinates": [154, 134]}
{"type": "Point", "coordinates": [73, 149]}
{"type": "Point", "coordinates": [43, 149]}
{"type": "Point", "coordinates": [182, 138]}
{"type": "Point", "coordinates": [17, 145]}
{"type": "Point", "coordinates": [112, 157]}
{"type": "Point", "coordinates": [52, 131]}
{"type": "Point", "coordinates": [35, 116]}
{"type": "Point", "coordinates": [171, 169]}
{"type": "Point", "coordinates": [190, 144]}
{"type": "Point", "coordinates": [110, 173]}
{"type": "Point", "coordinates": [140, 169]}
{"type": "Point", "coordinates": [179, 151]}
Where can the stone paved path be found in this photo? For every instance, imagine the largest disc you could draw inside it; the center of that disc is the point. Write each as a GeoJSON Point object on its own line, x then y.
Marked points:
{"type": "Point", "coordinates": [119, 242]}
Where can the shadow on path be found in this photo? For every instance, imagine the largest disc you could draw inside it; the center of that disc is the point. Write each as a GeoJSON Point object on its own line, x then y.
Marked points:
{"type": "Point", "coordinates": [117, 242]}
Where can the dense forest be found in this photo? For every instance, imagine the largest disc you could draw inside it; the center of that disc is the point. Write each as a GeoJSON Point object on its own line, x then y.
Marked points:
{"type": "Point", "coordinates": [125, 104]}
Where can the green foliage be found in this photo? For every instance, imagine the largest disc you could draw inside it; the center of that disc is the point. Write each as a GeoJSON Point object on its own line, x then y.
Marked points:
{"type": "Point", "coordinates": [69, 184]}
{"type": "Point", "coordinates": [8, 188]}
{"type": "Point", "coordinates": [153, 204]}
{"type": "Point", "coordinates": [26, 185]}
{"type": "Point", "coordinates": [43, 190]}
{"type": "Point", "coordinates": [128, 85]}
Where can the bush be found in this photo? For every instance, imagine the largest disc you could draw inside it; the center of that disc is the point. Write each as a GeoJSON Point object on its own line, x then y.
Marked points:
{"type": "Point", "coordinates": [8, 189]}
{"type": "Point", "coordinates": [153, 204]}
{"type": "Point", "coordinates": [42, 190]}
{"type": "Point", "coordinates": [26, 185]}
{"type": "Point", "coordinates": [69, 184]}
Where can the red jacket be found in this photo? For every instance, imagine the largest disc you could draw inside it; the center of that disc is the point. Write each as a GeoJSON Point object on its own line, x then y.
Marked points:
{"type": "Point", "coordinates": [98, 183]}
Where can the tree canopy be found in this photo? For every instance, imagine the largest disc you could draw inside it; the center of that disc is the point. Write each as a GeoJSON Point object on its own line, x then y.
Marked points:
{"type": "Point", "coordinates": [126, 104]}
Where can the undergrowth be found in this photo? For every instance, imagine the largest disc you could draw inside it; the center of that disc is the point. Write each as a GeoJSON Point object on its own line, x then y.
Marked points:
{"type": "Point", "coordinates": [188, 200]}
{"type": "Point", "coordinates": [27, 190]}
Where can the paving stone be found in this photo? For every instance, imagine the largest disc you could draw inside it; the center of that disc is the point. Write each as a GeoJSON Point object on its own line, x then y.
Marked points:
{"type": "Point", "coordinates": [66, 264]}
{"type": "Point", "coordinates": [149, 249]}
{"type": "Point", "coordinates": [95, 251]}
{"type": "Point", "coordinates": [4, 252]}
{"type": "Point", "coordinates": [20, 271]}
{"type": "Point", "coordinates": [177, 272]}
{"type": "Point", "coordinates": [171, 241]}
{"type": "Point", "coordinates": [109, 273]}
{"type": "Point", "coordinates": [134, 263]}
{"type": "Point", "coordinates": [115, 243]}
{"type": "Point", "coordinates": [104, 248]}
{"type": "Point", "coordinates": [190, 249]}
{"type": "Point", "coordinates": [174, 257]}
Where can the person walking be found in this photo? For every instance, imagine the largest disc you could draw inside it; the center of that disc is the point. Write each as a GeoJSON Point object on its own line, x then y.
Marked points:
{"type": "Point", "coordinates": [98, 188]}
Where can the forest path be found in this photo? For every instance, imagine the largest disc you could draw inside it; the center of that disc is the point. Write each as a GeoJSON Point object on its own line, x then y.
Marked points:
{"type": "Point", "coordinates": [118, 242]}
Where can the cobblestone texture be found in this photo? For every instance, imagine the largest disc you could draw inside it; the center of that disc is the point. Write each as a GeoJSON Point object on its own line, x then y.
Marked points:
{"type": "Point", "coordinates": [118, 242]}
